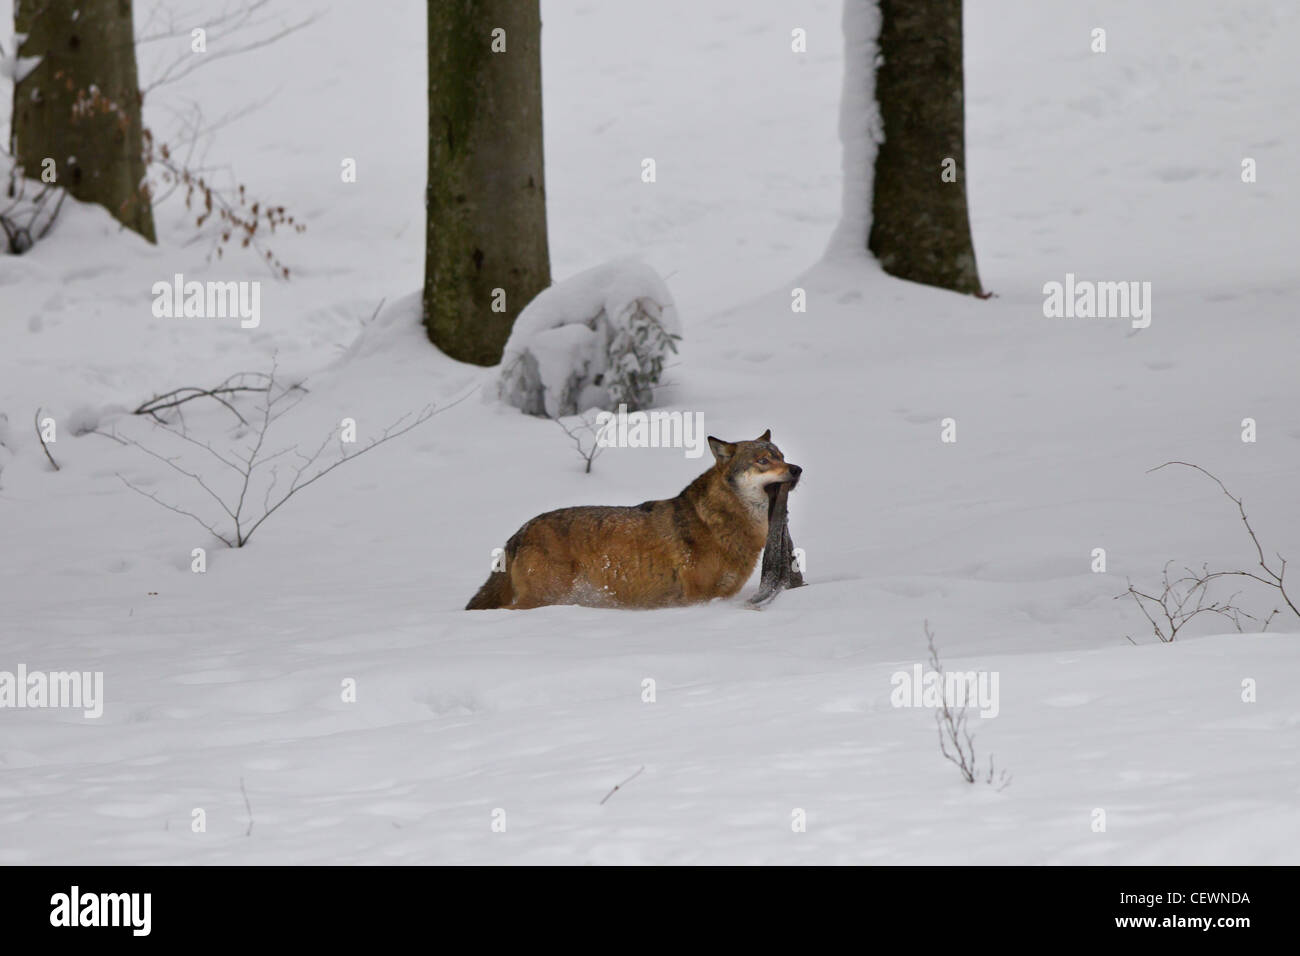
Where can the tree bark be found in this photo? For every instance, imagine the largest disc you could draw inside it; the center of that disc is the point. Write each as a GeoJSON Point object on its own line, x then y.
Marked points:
{"type": "Point", "coordinates": [486, 199]}
{"type": "Point", "coordinates": [80, 106]}
{"type": "Point", "coordinates": [920, 229]}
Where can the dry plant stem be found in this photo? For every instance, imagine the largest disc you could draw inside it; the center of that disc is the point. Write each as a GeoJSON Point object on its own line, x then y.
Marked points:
{"type": "Point", "coordinates": [44, 447]}
{"type": "Point", "coordinates": [179, 396]}
{"type": "Point", "coordinates": [248, 807]}
{"type": "Point", "coordinates": [1274, 579]}
{"type": "Point", "coordinates": [620, 786]}
{"type": "Point", "coordinates": [219, 28]}
{"type": "Point", "coordinates": [589, 455]}
{"type": "Point", "coordinates": [956, 742]}
{"type": "Point", "coordinates": [952, 724]}
{"type": "Point", "coordinates": [1182, 599]}
{"type": "Point", "coordinates": [237, 217]}
{"type": "Point", "coordinates": [245, 464]}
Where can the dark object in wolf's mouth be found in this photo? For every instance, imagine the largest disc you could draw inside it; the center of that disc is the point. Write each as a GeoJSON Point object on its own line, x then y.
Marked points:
{"type": "Point", "coordinates": [779, 571]}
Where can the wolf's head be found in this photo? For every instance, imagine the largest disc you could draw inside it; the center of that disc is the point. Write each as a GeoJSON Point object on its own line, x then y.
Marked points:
{"type": "Point", "coordinates": [754, 469]}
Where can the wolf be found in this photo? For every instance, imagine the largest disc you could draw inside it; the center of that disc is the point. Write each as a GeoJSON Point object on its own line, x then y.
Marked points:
{"type": "Point", "coordinates": [702, 544]}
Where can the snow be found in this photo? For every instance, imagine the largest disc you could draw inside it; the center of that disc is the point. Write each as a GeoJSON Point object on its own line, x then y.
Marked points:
{"type": "Point", "coordinates": [17, 68]}
{"type": "Point", "coordinates": [1120, 166]}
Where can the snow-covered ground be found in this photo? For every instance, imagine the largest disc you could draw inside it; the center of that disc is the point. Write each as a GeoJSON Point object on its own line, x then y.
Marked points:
{"type": "Point", "coordinates": [1116, 166]}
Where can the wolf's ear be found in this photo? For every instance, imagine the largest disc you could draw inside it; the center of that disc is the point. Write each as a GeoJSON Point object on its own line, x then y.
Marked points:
{"type": "Point", "coordinates": [766, 436]}
{"type": "Point", "coordinates": [722, 450]}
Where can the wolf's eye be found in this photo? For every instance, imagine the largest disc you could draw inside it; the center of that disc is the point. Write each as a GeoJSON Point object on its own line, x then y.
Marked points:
{"type": "Point", "coordinates": [763, 461]}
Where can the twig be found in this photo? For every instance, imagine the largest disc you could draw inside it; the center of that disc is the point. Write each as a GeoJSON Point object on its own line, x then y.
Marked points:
{"type": "Point", "coordinates": [180, 511]}
{"type": "Point", "coordinates": [954, 729]}
{"type": "Point", "coordinates": [174, 398]}
{"type": "Point", "coordinates": [185, 65]}
{"type": "Point", "coordinates": [588, 455]}
{"type": "Point", "coordinates": [1175, 602]}
{"type": "Point", "coordinates": [1275, 579]}
{"type": "Point", "coordinates": [63, 194]}
{"type": "Point", "coordinates": [44, 447]}
{"type": "Point", "coordinates": [235, 217]}
{"type": "Point", "coordinates": [248, 807]}
{"type": "Point", "coordinates": [96, 431]}
{"type": "Point", "coordinates": [425, 414]}
{"type": "Point", "coordinates": [246, 462]}
{"type": "Point", "coordinates": [619, 786]}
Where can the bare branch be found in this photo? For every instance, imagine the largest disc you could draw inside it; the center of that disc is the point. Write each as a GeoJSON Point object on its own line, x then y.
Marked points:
{"type": "Point", "coordinates": [1181, 600]}
{"type": "Point", "coordinates": [231, 214]}
{"type": "Point", "coordinates": [1275, 579]}
{"type": "Point", "coordinates": [180, 511]}
{"type": "Point", "coordinates": [388, 434]}
{"type": "Point", "coordinates": [218, 29]}
{"type": "Point", "coordinates": [241, 14]}
{"type": "Point", "coordinates": [170, 463]}
{"type": "Point", "coordinates": [587, 454]}
{"type": "Point", "coordinates": [175, 398]}
{"type": "Point", "coordinates": [96, 431]}
{"type": "Point", "coordinates": [246, 462]}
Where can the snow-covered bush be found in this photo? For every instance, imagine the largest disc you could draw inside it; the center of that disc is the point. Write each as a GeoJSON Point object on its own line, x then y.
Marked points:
{"type": "Point", "coordinates": [597, 340]}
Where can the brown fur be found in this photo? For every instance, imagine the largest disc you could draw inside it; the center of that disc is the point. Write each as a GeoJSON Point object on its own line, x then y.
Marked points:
{"type": "Point", "coordinates": [700, 545]}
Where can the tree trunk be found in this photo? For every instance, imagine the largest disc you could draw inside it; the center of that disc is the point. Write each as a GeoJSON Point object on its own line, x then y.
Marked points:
{"type": "Point", "coordinates": [485, 204]}
{"type": "Point", "coordinates": [80, 107]}
{"type": "Point", "coordinates": [919, 224]}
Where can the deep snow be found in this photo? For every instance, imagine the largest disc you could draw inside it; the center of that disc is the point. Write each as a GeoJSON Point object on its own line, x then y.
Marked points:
{"type": "Point", "coordinates": [1118, 166]}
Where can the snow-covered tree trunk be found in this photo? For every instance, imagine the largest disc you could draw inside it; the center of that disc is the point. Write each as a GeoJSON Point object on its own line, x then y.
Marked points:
{"type": "Point", "coordinates": [77, 103]}
{"type": "Point", "coordinates": [485, 243]}
{"type": "Point", "coordinates": [920, 229]}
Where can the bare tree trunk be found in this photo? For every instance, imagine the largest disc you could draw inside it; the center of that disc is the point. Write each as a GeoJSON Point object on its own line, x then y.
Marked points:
{"type": "Point", "coordinates": [919, 224]}
{"type": "Point", "coordinates": [486, 198]}
{"type": "Point", "coordinates": [80, 107]}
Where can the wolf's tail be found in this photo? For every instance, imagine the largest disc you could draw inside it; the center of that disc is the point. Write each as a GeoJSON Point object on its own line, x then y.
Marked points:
{"type": "Point", "coordinates": [495, 592]}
